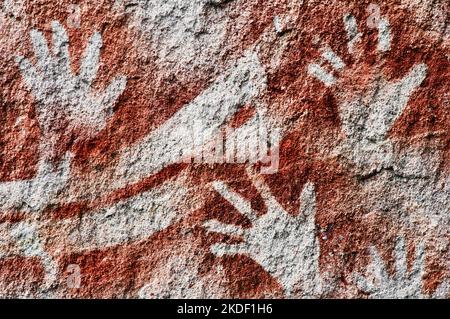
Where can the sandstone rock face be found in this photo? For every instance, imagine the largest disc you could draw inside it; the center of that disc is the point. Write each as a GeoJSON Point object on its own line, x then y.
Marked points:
{"type": "Point", "coordinates": [224, 149]}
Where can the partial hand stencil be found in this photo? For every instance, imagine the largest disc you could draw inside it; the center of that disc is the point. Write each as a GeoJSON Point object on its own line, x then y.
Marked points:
{"type": "Point", "coordinates": [285, 246]}
{"type": "Point", "coordinates": [61, 94]}
{"type": "Point", "coordinates": [402, 284]}
{"type": "Point", "coordinates": [367, 116]}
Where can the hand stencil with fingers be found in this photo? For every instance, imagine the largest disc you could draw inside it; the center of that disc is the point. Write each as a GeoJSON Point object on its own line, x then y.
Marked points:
{"type": "Point", "coordinates": [369, 104]}
{"type": "Point", "coordinates": [60, 92]}
{"type": "Point", "coordinates": [285, 246]}
{"type": "Point", "coordinates": [402, 284]}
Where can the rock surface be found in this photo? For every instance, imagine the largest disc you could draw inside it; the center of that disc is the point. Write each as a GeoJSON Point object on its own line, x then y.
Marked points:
{"type": "Point", "coordinates": [224, 149]}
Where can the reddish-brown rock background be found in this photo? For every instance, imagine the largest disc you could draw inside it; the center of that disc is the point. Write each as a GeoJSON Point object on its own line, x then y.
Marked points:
{"type": "Point", "coordinates": [100, 101]}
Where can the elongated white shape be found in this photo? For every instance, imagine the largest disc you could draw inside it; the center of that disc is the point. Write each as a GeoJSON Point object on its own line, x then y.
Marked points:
{"type": "Point", "coordinates": [285, 246]}
{"type": "Point", "coordinates": [169, 143]}
{"type": "Point", "coordinates": [384, 36]}
{"type": "Point", "coordinates": [318, 72]}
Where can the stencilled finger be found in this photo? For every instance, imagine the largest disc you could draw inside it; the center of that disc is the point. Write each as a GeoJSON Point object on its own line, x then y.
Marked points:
{"type": "Point", "coordinates": [308, 201]}
{"type": "Point", "coordinates": [61, 44]}
{"type": "Point", "coordinates": [41, 50]}
{"type": "Point", "coordinates": [221, 250]}
{"type": "Point", "coordinates": [384, 35]}
{"type": "Point", "coordinates": [315, 70]}
{"type": "Point", "coordinates": [378, 266]}
{"type": "Point", "coordinates": [376, 21]}
{"type": "Point", "coordinates": [242, 205]}
{"type": "Point", "coordinates": [419, 261]}
{"type": "Point", "coordinates": [264, 191]}
{"type": "Point", "coordinates": [353, 36]}
{"type": "Point", "coordinates": [319, 72]}
{"type": "Point", "coordinates": [362, 283]}
{"type": "Point", "coordinates": [400, 258]}
{"type": "Point", "coordinates": [91, 58]}
{"type": "Point", "coordinates": [412, 80]}
{"type": "Point", "coordinates": [215, 226]}
{"type": "Point", "coordinates": [332, 58]}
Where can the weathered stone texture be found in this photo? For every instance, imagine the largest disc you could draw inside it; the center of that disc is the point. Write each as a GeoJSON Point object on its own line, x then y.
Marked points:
{"type": "Point", "coordinates": [105, 104]}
